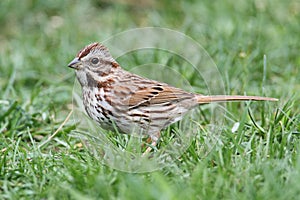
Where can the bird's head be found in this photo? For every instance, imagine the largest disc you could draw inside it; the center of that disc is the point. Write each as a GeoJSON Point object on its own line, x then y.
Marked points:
{"type": "Point", "coordinates": [93, 62]}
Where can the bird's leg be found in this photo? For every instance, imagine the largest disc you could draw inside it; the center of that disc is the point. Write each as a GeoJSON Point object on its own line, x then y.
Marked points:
{"type": "Point", "coordinates": [153, 144]}
{"type": "Point", "coordinates": [153, 140]}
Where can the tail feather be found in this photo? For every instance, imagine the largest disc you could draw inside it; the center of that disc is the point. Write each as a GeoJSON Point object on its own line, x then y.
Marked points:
{"type": "Point", "coordinates": [222, 98]}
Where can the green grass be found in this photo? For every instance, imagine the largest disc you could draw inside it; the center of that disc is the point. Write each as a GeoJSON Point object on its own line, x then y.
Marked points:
{"type": "Point", "coordinates": [259, 161]}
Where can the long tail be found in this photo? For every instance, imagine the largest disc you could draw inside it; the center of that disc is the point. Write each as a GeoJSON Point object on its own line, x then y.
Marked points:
{"type": "Point", "coordinates": [221, 98]}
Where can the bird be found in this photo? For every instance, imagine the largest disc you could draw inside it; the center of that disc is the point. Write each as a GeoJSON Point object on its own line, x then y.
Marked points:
{"type": "Point", "coordinates": [114, 97]}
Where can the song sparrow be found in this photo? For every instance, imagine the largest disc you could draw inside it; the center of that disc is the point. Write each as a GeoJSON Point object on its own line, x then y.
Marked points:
{"type": "Point", "coordinates": [131, 102]}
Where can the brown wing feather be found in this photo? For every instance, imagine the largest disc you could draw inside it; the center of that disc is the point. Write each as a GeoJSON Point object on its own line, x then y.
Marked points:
{"type": "Point", "coordinates": [158, 94]}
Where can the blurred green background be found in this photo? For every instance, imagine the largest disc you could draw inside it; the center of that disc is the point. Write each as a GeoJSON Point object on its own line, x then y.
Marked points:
{"type": "Point", "coordinates": [38, 38]}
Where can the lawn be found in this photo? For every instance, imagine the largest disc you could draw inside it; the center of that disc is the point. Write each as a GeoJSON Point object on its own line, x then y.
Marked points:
{"type": "Point", "coordinates": [246, 47]}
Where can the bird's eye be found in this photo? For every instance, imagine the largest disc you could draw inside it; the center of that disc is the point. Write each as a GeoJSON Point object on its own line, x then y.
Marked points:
{"type": "Point", "coordinates": [95, 60]}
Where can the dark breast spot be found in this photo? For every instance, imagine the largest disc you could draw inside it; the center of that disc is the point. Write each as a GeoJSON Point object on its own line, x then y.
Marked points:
{"type": "Point", "coordinates": [98, 97]}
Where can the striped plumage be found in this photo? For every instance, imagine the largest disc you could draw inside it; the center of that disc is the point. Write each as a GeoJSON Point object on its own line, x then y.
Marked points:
{"type": "Point", "coordinates": [133, 103]}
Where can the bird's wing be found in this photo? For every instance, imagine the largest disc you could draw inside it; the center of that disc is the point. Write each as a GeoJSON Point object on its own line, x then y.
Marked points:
{"type": "Point", "coordinates": [158, 94]}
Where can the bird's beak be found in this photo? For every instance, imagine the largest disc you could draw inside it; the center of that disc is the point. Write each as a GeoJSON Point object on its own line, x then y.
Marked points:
{"type": "Point", "coordinates": [74, 63]}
